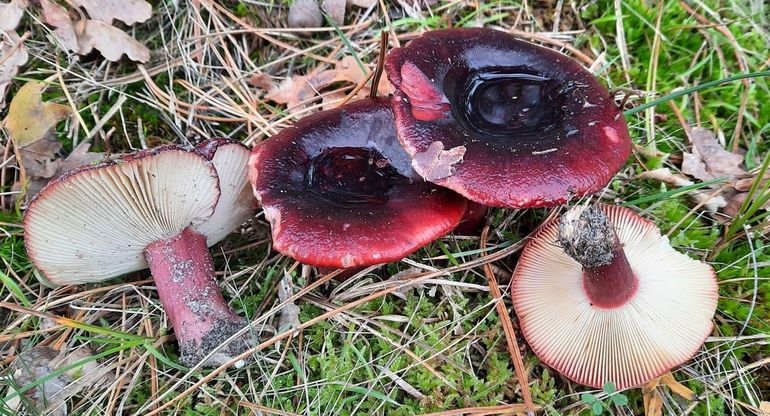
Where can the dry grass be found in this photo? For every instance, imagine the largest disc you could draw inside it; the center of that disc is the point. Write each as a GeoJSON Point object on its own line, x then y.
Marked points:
{"type": "Point", "coordinates": [402, 338]}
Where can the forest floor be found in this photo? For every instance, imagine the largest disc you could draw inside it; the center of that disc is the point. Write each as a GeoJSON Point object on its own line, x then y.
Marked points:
{"type": "Point", "coordinates": [234, 69]}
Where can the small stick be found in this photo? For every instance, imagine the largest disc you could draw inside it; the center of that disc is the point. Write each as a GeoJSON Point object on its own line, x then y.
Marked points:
{"type": "Point", "coordinates": [380, 65]}
{"type": "Point", "coordinates": [510, 334]}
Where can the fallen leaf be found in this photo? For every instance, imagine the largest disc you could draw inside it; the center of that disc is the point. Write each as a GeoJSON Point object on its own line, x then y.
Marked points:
{"type": "Point", "coordinates": [709, 160]}
{"type": "Point", "coordinates": [50, 396]}
{"type": "Point", "coordinates": [710, 203]}
{"type": "Point", "coordinates": [29, 123]}
{"type": "Point", "coordinates": [111, 42]}
{"type": "Point", "coordinates": [305, 13]}
{"type": "Point", "coordinates": [678, 388]}
{"type": "Point", "coordinates": [80, 156]}
{"type": "Point", "coordinates": [299, 89]}
{"type": "Point", "coordinates": [744, 185]}
{"type": "Point", "coordinates": [335, 9]}
{"type": "Point", "coordinates": [83, 36]}
{"type": "Point", "coordinates": [56, 16]}
{"type": "Point", "coordinates": [29, 118]}
{"type": "Point", "coordinates": [127, 11]}
{"type": "Point", "coordinates": [362, 3]}
{"type": "Point", "coordinates": [11, 14]}
{"type": "Point", "coordinates": [262, 81]}
{"type": "Point", "coordinates": [653, 404]}
{"type": "Point", "coordinates": [13, 54]}
{"type": "Point", "coordinates": [289, 318]}
{"type": "Point", "coordinates": [764, 407]}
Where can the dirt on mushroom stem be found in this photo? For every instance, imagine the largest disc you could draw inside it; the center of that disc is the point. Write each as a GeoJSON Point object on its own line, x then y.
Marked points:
{"type": "Point", "coordinates": [184, 276]}
{"type": "Point", "coordinates": [586, 234]}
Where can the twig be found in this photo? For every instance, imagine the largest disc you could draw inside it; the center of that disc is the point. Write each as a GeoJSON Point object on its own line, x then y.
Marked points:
{"type": "Point", "coordinates": [510, 334]}
{"type": "Point", "coordinates": [380, 65]}
{"type": "Point", "coordinates": [482, 411]}
{"type": "Point", "coordinates": [265, 409]}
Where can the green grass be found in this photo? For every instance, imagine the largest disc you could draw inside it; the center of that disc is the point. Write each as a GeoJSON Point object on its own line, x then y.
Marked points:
{"type": "Point", "coordinates": [433, 347]}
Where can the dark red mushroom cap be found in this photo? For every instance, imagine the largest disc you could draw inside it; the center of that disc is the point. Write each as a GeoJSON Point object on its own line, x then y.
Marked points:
{"type": "Point", "coordinates": [339, 190]}
{"type": "Point", "coordinates": [504, 122]}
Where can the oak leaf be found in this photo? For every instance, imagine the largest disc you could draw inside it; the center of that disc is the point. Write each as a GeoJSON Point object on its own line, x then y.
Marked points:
{"type": "Point", "coordinates": [709, 160]}
{"type": "Point", "coordinates": [13, 54]}
{"type": "Point", "coordinates": [11, 14]}
{"type": "Point", "coordinates": [127, 11]}
{"type": "Point", "coordinates": [83, 36]}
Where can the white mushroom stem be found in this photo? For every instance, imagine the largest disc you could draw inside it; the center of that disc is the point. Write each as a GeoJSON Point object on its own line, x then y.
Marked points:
{"type": "Point", "coordinates": [587, 236]}
{"type": "Point", "coordinates": [184, 275]}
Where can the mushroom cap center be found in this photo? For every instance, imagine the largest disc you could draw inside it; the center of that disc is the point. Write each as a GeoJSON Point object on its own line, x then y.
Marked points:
{"type": "Point", "coordinates": [506, 103]}
{"type": "Point", "coordinates": [352, 176]}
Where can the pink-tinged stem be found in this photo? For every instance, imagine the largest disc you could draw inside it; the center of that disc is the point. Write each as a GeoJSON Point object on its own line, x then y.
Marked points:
{"type": "Point", "coordinates": [612, 285]}
{"type": "Point", "coordinates": [202, 320]}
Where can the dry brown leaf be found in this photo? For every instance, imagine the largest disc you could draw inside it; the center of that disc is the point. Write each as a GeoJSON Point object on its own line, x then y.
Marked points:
{"type": "Point", "coordinates": [744, 185]}
{"type": "Point", "coordinates": [127, 11]}
{"type": "Point", "coordinates": [335, 9]}
{"type": "Point", "coordinates": [678, 388]}
{"type": "Point", "coordinates": [11, 14]}
{"type": "Point", "coordinates": [362, 3]}
{"type": "Point", "coordinates": [289, 318]}
{"type": "Point", "coordinates": [764, 407]}
{"type": "Point", "coordinates": [29, 123]}
{"type": "Point", "coordinates": [80, 156]}
{"type": "Point", "coordinates": [653, 404]}
{"type": "Point", "coordinates": [111, 42]}
{"type": "Point", "coordinates": [300, 88]}
{"type": "Point", "coordinates": [710, 203]}
{"type": "Point", "coordinates": [709, 160]}
{"type": "Point", "coordinates": [83, 36]}
{"type": "Point", "coordinates": [262, 81]}
{"type": "Point", "coordinates": [305, 13]}
{"type": "Point", "coordinates": [50, 396]}
{"type": "Point", "coordinates": [57, 16]}
{"type": "Point", "coordinates": [13, 54]}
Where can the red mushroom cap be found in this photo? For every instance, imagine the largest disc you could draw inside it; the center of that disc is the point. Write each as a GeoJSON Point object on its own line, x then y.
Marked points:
{"type": "Point", "coordinates": [339, 190]}
{"type": "Point", "coordinates": [504, 122]}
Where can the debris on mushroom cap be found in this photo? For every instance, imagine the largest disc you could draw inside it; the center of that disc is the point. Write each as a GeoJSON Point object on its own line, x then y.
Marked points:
{"type": "Point", "coordinates": [236, 203]}
{"type": "Point", "coordinates": [94, 222]}
{"type": "Point", "coordinates": [339, 190]}
{"type": "Point", "coordinates": [509, 123]}
{"type": "Point", "coordinates": [660, 326]}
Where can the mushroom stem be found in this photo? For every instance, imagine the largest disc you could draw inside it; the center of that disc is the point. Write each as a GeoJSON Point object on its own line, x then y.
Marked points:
{"type": "Point", "coordinates": [184, 276]}
{"type": "Point", "coordinates": [587, 236]}
{"type": "Point", "coordinates": [613, 284]}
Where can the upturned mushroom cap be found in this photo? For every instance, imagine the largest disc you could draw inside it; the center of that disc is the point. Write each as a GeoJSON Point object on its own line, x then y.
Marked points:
{"type": "Point", "coordinates": [661, 326]}
{"type": "Point", "coordinates": [339, 190]}
{"type": "Point", "coordinates": [504, 122]}
{"type": "Point", "coordinates": [94, 222]}
{"type": "Point", "coordinates": [236, 203]}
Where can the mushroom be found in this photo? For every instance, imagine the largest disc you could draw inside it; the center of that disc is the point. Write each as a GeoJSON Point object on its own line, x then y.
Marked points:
{"type": "Point", "coordinates": [339, 191]}
{"type": "Point", "coordinates": [504, 122]}
{"type": "Point", "coordinates": [602, 296]}
{"type": "Point", "coordinates": [152, 208]}
{"type": "Point", "coordinates": [236, 203]}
